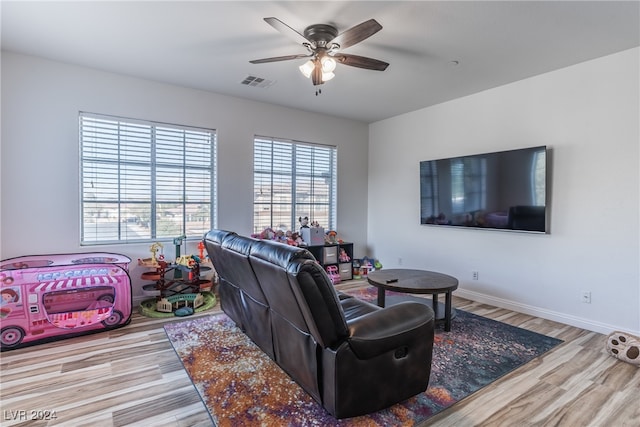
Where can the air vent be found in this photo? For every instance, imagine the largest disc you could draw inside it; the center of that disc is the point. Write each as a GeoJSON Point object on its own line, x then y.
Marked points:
{"type": "Point", "coordinates": [257, 82]}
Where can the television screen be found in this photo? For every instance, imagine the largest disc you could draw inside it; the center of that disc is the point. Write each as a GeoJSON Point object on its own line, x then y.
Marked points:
{"type": "Point", "coordinates": [505, 190]}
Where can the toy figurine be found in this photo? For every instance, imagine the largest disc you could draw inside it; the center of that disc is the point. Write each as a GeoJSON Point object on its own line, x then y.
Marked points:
{"type": "Point", "coordinates": [154, 250]}
{"type": "Point", "coordinates": [304, 222]}
{"type": "Point", "coordinates": [343, 257]}
{"type": "Point", "coordinates": [280, 236]}
{"type": "Point", "coordinates": [297, 240]}
{"type": "Point", "coordinates": [266, 234]}
{"type": "Point", "coordinates": [201, 249]}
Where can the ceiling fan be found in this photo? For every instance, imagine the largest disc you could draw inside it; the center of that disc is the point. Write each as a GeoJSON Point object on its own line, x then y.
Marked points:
{"type": "Point", "coordinates": [324, 48]}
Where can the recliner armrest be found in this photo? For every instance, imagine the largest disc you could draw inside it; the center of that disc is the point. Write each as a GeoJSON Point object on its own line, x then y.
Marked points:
{"type": "Point", "coordinates": [389, 328]}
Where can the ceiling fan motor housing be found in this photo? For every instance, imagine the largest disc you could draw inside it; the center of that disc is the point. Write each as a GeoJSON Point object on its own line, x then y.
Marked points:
{"type": "Point", "coordinates": [320, 34]}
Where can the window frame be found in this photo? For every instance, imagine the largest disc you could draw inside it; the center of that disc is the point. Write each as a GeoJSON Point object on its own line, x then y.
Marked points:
{"type": "Point", "coordinates": [160, 136]}
{"type": "Point", "coordinates": [296, 173]}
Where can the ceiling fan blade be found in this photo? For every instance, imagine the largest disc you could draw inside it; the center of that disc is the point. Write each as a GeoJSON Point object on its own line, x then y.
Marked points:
{"type": "Point", "coordinates": [361, 62]}
{"type": "Point", "coordinates": [286, 30]}
{"type": "Point", "coordinates": [279, 58]}
{"type": "Point", "coordinates": [358, 33]}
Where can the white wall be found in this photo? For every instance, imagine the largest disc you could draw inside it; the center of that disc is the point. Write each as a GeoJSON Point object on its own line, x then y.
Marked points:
{"type": "Point", "coordinates": [588, 115]}
{"type": "Point", "coordinates": [40, 163]}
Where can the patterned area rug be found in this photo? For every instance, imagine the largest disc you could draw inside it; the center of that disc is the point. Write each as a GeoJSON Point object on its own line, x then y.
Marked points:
{"type": "Point", "coordinates": [240, 385]}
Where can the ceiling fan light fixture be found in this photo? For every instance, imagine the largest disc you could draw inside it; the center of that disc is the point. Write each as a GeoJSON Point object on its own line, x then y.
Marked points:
{"type": "Point", "coordinates": [328, 64]}
{"type": "Point", "coordinates": [327, 76]}
{"type": "Point", "coordinates": [307, 68]}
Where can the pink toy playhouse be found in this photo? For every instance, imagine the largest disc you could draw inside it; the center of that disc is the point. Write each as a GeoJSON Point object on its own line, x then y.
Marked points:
{"type": "Point", "coordinates": [50, 297]}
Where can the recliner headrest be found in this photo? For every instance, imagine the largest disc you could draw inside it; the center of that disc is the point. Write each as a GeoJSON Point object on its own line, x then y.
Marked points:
{"type": "Point", "coordinates": [217, 236]}
{"type": "Point", "coordinates": [278, 254]}
{"type": "Point", "coordinates": [240, 244]}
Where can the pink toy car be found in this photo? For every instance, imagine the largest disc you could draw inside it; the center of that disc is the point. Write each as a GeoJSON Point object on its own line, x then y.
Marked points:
{"type": "Point", "coordinates": [49, 297]}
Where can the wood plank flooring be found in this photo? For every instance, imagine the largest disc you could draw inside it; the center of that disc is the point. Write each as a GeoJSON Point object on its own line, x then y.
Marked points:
{"type": "Point", "coordinates": [132, 377]}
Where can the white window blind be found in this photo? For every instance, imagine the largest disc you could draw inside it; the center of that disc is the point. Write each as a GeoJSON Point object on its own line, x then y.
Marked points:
{"type": "Point", "coordinates": [143, 181]}
{"type": "Point", "coordinates": [293, 179]}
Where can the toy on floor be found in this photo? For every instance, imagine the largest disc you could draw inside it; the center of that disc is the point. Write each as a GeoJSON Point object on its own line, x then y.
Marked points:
{"type": "Point", "coordinates": [50, 297]}
{"type": "Point", "coordinates": [333, 273]}
{"type": "Point", "coordinates": [365, 266]}
{"type": "Point", "coordinates": [624, 347]}
{"type": "Point", "coordinates": [356, 269]}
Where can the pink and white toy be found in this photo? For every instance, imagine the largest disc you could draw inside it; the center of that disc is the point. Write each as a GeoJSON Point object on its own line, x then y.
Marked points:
{"type": "Point", "coordinates": [50, 297]}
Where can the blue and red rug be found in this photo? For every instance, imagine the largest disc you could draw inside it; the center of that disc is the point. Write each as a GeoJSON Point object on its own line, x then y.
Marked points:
{"type": "Point", "coordinates": [240, 385]}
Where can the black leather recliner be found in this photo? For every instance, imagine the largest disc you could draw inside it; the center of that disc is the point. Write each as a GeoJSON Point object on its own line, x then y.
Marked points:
{"type": "Point", "coordinates": [351, 356]}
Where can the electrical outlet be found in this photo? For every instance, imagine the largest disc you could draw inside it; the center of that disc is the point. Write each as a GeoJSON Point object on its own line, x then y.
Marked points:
{"type": "Point", "coordinates": [474, 275]}
{"type": "Point", "coordinates": [586, 297]}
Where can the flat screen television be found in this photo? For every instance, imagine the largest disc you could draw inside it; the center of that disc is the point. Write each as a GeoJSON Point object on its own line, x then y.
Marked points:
{"type": "Point", "coordinates": [504, 190]}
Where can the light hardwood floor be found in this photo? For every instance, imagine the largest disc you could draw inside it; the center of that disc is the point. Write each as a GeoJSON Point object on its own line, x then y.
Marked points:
{"type": "Point", "coordinates": [131, 376]}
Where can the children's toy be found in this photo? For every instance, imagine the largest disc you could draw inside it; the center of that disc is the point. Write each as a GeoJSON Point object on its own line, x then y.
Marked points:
{"type": "Point", "coordinates": [178, 245]}
{"type": "Point", "coordinates": [154, 249]}
{"type": "Point", "coordinates": [365, 266]}
{"type": "Point", "coordinates": [343, 257]}
{"type": "Point", "coordinates": [280, 236]}
{"type": "Point", "coordinates": [178, 302]}
{"type": "Point", "coordinates": [51, 297]}
{"type": "Point", "coordinates": [625, 347]}
{"type": "Point", "coordinates": [333, 273]}
{"type": "Point", "coordinates": [332, 237]}
{"type": "Point", "coordinates": [186, 290]}
{"type": "Point", "coordinates": [266, 234]}
{"type": "Point", "coordinates": [293, 238]}
{"type": "Point", "coordinates": [356, 269]}
{"type": "Point", "coordinates": [184, 311]}
{"type": "Point", "coordinates": [304, 222]}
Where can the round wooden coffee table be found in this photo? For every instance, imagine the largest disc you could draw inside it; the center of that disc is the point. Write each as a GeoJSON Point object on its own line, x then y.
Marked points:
{"type": "Point", "coordinates": [417, 282]}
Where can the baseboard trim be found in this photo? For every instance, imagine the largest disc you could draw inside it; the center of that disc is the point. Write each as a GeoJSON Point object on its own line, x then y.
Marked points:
{"type": "Point", "coordinates": [564, 318]}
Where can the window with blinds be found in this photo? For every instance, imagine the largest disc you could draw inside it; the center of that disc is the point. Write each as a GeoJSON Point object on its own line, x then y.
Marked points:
{"type": "Point", "coordinates": [293, 179]}
{"type": "Point", "coordinates": [143, 181]}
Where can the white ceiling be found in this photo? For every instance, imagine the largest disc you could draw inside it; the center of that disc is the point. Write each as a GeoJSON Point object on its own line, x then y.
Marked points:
{"type": "Point", "coordinates": [208, 44]}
